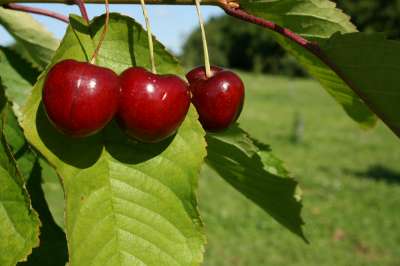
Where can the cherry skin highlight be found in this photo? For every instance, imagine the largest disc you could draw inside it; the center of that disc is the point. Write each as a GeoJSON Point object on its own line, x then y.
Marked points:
{"type": "Point", "coordinates": [80, 98]}
{"type": "Point", "coordinates": [151, 106]}
{"type": "Point", "coordinates": [218, 99]}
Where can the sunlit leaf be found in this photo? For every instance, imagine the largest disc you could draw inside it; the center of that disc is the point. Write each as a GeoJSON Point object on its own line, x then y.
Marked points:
{"type": "Point", "coordinates": [127, 203]}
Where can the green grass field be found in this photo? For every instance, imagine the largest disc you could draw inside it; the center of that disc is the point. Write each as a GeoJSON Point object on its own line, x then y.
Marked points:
{"type": "Point", "coordinates": [350, 180]}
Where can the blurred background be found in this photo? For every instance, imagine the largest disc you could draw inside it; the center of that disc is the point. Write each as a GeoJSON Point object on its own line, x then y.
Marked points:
{"type": "Point", "coordinates": [350, 177]}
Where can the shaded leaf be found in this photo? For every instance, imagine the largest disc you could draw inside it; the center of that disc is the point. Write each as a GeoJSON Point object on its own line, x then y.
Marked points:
{"type": "Point", "coordinates": [17, 78]}
{"type": "Point", "coordinates": [53, 244]}
{"type": "Point", "coordinates": [17, 144]}
{"type": "Point", "coordinates": [19, 223]}
{"type": "Point", "coordinates": [53, 192]}
{"type": "Point", "coordinates": [371, 62]}
{"type": "Point", "coordinates": [257, 174]}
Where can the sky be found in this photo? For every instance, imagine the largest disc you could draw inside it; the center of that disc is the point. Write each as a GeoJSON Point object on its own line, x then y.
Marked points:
{"type": "Point", "coordinates": [169, 23]}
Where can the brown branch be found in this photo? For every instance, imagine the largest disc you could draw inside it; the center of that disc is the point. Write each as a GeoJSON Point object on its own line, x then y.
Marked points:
{"type": "Point", "coordinates": [39, 11]}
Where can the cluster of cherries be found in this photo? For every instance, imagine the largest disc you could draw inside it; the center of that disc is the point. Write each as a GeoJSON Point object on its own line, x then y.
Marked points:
{"type": "Point", "coordinates": [81, 98]}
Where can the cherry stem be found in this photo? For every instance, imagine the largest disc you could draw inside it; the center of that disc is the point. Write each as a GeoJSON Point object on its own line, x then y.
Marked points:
{"type": "Point", "coordinates": [39, 11]}
{"type": "Point", "coordinates": [204, 39]}
{"type": "Point", "coordinates": [149, 36]}
{"type": "Point", "coordinates": [103, 34]}
{"type": "Point", "coordinates": [82, 8]}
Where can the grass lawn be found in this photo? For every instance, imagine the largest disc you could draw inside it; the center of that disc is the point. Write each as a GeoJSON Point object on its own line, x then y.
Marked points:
{"type": "Point", "coordinates": [350, 180]}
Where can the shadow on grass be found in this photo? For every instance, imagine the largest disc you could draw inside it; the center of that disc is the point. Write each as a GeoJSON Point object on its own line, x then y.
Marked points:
{"type": "Point", "coordinates": [378, 173]}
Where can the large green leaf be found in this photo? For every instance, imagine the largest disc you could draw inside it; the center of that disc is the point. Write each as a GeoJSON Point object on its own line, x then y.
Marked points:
{"type": "Point", "coordinates": [34, 41]}
{"type": "Point", "coordinates": [371, 62]}
{"type": "Point", "coordinates": [127, 203]}
{"type": "Point", "coordinates": [316, 20]}
{"type": "Point", "coordinates": [19, 223]}
{"type": "Point", "coordinates": [250, 167]}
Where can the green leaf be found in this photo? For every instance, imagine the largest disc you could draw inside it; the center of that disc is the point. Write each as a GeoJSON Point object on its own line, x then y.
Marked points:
{"type": "Point", "coordinates": [371, 62]}
{"type": "Point", "coordinates": [17, 78]}
{"type": "Point", "coordinates": [18, 147]}
{"type": "Point", "coordinates": [53, 246]}
{"type": "Point", "coordinates": [37, 43]}
{"type": "Point", "coordinates": [53, 243]}
{"type": "Point", "coordinates": [127, 203]}
{"type": "Point", "coordinates": [53, 192]}
{"type": "Point", "coordinates": [315, 20]}
{"type": "Point", "coordinates": [19, 223]}
{"type": "Point", "coordinates": [257, 174]}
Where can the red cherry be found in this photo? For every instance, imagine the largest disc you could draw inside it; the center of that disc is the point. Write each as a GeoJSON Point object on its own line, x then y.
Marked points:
{"type": "Point", "coordinates": [80, 98]}
{"type": "Point", "coordinates": [151, 106]}
{"type": "Point", "coordinates": [218, 99]}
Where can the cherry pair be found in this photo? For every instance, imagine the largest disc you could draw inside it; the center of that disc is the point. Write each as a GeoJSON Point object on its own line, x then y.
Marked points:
{"type": "Point", "coordinates": [81, 98]}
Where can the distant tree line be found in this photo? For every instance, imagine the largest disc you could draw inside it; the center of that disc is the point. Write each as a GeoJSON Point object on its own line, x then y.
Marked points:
{"type": "Point", "coordinates": [243, 46]}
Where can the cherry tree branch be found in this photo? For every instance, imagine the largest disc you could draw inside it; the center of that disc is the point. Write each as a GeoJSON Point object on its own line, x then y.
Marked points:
{"type": "Point", "coordinates": [39, 11]}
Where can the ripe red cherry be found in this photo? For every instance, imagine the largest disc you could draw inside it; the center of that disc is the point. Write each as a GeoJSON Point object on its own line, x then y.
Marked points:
{"type": "Point", "coordinates": [218, 99]}
{"type": "Point", "coordinates": [80, 98]}
{"type": "Point", "coordinates": [151, 106]}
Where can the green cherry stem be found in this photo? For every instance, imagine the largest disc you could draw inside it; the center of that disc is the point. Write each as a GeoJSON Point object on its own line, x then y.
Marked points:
{"type": "Point", "coordinates": [149, 36]}
{"type": "Point", "coordinates": [204, 39]}
{"type": "Point", "coordinates": [103, 34]}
